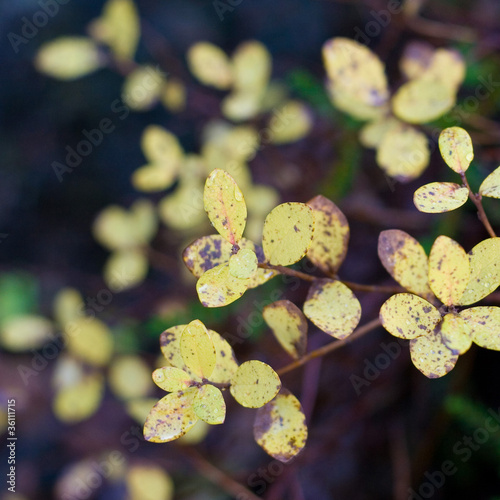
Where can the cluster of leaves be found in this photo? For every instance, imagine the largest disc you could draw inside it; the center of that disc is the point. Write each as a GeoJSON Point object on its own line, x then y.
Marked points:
{"type": "Point", "coordinates": [358, 86]}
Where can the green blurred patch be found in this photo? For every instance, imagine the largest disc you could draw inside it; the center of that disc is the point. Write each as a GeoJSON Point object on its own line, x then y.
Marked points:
{"type": "Point", "coordinates": [19, 294]}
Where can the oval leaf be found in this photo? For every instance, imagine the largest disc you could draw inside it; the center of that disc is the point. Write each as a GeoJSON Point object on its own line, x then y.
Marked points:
{"type": "Point", "coordinates": [21, 333]}
{"type": "Point", "coordinates": [333, 308]}
{"type": "Point", "coordinates": [405, 260]}
{"type": "Point", "coordinates": [148, 482]}
{"type": "Point", "coordinates": [225, 206]}
{"type": "Point", "coordinates": [288, 232]}
{"type": "Point", "coordinates": [197, 349]}
{"type": "Point", "coordinates": [209, 405]}
{"type": "Point", "coordinates": [243, 264]}
{"type": "Point", "coordinates": [455, 146]}
{"type": "Point", "coordinates": [490, 187]}
{"type": "Point", "coordinates": [129, 377]}
{"type": "Point", "coordinates": [210, 65]}
{"type": "Point", "coordinates": [484, 323]}
{"type": "Point", "coordinates": [280, 427]}
{"type": "Point", "coordinates": [288, 325]}
{"type": "Point", "coordinates": [449, 270]}
{"type": "Point", "coordinates": [408, 316]}
{"type": "Point", "coordinates": [439, 197]}
{"type": "Point", "coordinates": [254, 384]}
{"type": "Point", "coordinates": [125, 269]}
{"type": "Point", "coordinates": [456, 333]}
{"type": "Point", "coordinates": [172, 379]}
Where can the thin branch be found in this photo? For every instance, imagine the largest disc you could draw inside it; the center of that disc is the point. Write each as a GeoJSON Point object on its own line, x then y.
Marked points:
{"type": "Point", "coordinates": [436, 29]}
{"type": "Point", "coordinates": [374, 288]}
{"type": "Point", "coordinates": [332, 346]}
{"type": "Point", "coordinates": [288, 271]}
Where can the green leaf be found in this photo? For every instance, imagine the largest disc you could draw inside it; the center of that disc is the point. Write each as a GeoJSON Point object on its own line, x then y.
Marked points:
{"type": "Point", "coordinates": [484, 323]}
{"type": "Point", "coordinates": [456, 149]}
{"type": "Point", "coordinates": [490, 187]}
{"type": "Point", "coordinates": [456, 333]}
{"type": "Point", "coordinates": [280, 427]}
{"type": "Point", "coordinates": [484, 276]}
{"type": "Point", "coordinates": [254, 384]}
{"type": "Point", "coordinates": [288, 232]}
{"type": "Point", "coordinates": [408, 316]}
{"type": "Point", "coordinates": [171, 417]}
{"type": "Point", "coordinates": [333, 308]}
{"type": "Point", "coordinates": [198, 349]}
{"type": "Point", "coordinates": [288, 325]}
{"type": "Point", "coordinates": [225, 206]}
{"type": "Point", "coordinates": [331, 235]}
{"type": "Point", "coordinates": [172, 379]}
{"type": "Point", "coordinates": [431, 356]}
{"type": "Point", "coordinates": [405, 260]}
{"type": "Point", "coordinates": [243, 264]}
{"type": "Point", "coordinates": [439, 197]}
{"type": "Point", "coordinates": [449, 270]}
{"type": "Point", "coordinates": [209, 405]}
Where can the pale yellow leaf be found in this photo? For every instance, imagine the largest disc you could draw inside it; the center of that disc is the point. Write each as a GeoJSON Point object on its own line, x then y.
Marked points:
{"type": "Point", "coordinates": [439, 197]}
{"type": "Point", "coordinates": [456, 333]}
{"type": "Point", "coordinates": [173, 95]}
{"type": "Point", "coordinates": [68, 305]}
{"type": "Point", "coordinates": [490, 187]}
{"type": "Point", "coordinates": [243, 264]}
{"type": "Point", "coordinates": [252, 67]}
{"type": "Point", "coordinates": [153, 177]}
{"type": "Point", "coordinates": [129, 377]}
{"type": "Point", "coordinates": [172, 379]}
{"type": "Point", "coordinates": [161, 147]}
{"type": "Point", "coordinates": [209, 405]}
{"type": "Point", "coordinates": [373, 132]}
{"type": "Point", "coordinates": [125, 269]}
{"type": "Point", "coordinates": [456, 149]}
{"type": "Point", "coordinates": [447, 66]}
{"type": "Point", "coordinates": [484, 323]}
{"type": "Point", "coordinates": [240, 106]}
{"type": "Point", "coordinates": [195, 435]}
{"type": "Point", "coordinates": [22, 333]}
{"type": "Point", "coordinates": [198, 349]}
{"type": "Point", "coordinates": [139, 408]}
{"type": "Point", "coordinates": [142, 87]}
{"type": "Point", "coordinates": [290, 122]}
{"type": "Point", "coordinates": [210, 65]}
{"type": "Point", "coordinates": [148, 482]}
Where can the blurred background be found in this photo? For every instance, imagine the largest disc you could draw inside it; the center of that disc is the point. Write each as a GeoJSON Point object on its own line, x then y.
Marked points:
{"type": "Point", "coordinates": [373, 440]}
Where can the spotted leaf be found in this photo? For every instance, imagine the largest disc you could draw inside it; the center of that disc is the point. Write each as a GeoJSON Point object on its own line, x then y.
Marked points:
{"type": "Point", "coordinates": [439, 197]}
{"type": "Point", "coordinates": [209, 405]}
{"type": "Point", "coordinates": [198, 349]}
{"type": "Point", "coordinates": [172, 379]}
{"type": "Point", "coordinates": [456, 333]}
{"type": "Point", "coordinates": [484, 323]}
{"type": "Point", "coordinates": [455, 146]}
{"type": "Point", "coordinates": [490, 187]}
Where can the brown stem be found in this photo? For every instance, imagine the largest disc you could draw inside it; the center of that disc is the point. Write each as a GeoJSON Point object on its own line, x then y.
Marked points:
{"type": "Point", "coordinates": [332, 346]}
{"type": "Point", "coordinates": [436, 29]}
{"type": "Point", "coordinates": [374, 288]}
{"type": "Point", "coordinates": [476, 199]}
{"type": "Point", "coordinates": [288, 271]}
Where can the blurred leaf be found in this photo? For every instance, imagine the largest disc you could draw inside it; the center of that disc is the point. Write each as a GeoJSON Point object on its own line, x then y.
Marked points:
{"type": "Point", "coordinates": [18, 295]}
{"type": "Point", "coordinates": [210, 65]}
{"type": "Point", "coordinates": [68, 305]}
{"type": "Point", "coordinates": [252, 67]}
{"type": "Point", "coordinates": [22, 333]}
{"type": "Point", "coordinates": [129, 377]}
{"type": "Point", "coordinates": [290, 122]}
{"type": "Point", "coordinates": [142, 88]}
{"type": "Point", "coordinates": [149, 482]}
{"type": "Point", "coordinates": [125, 269]}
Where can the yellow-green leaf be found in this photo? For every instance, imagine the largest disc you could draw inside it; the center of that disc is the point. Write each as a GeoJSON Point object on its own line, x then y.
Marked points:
{"type": "Point", "coordinates": [173, 95]}
{"type": "Point", "coordinates": [405, 260]}
{"type": "Point", "coordinates": [152, 178]}
{"type": "Point", "coordinates": [21, 333]}
{"type": "Point", "coordinates": [172, 379]}
{"type": "Point", "coordinates": [210, 65]}
{"type": "Point", "coordinates": [449, 270]}
{"type": "Point", "coordinates": [456, 333]}
{"type": "Point", "coordinates": [431, 356]}
{"type": "Point", "coordinates": [456, 149]}
{"type": "Point", "coordinates": [484, 262]}
{"type": "Point", "coordinates": [195, 435]}
{"type": "Point", "coordinates": [439, 197]}
{"type": "Point", "coordinates": [139, 408]}
{"type": "Point", "coordinates": [125, 269]}
{"type": "Point", "coordinates": [331, 235]}
{"type": "Point", "coordinates": [129, 377]}
{"type": "Point", "coordinates": [288, 233]}
{"type": "Point", "coordinates": [171, 417]}
{"type": "Point", "coordinates": [142, 87]}
{"type": "Point", "coordinates": [416, 58]}
{"type": "Point", "coordinates": [490, 187]}
{"type": "Point", "coordinates": [218, 287]}
{"type": "Point", "coordinates": [422, 100]}
{"type": "Point", "coordinates": [288, 325]}
{"type": "Point", "coordinates": [209, 405]}
{"type": "Point", "coordinates": [280, 427]}
{"type": "Point", "coordinates": [239, 106]}
{"type": "Point", "coordinates": [484, 323]}
{"type": "Point", "coordinates": [254, 384]}
{"type": "Point", "coordinates": [148, 482]}
{"type": "Point", "coordinates": [68, 58]}
{"type": "Point", "coordinates": [403, 153]}
{"type": "Point", "coordinates": [446, 66]}
{"type": "Point", "coordinates": [198, 349]}
{"type": "Point", "coordinates": [68, 305]}
{"type": "Point", "coordinates": [90, 340]}
{"type": "Point", "coordinates": [252, 67]}
{"type": "Point", "coordinates": [290, 122]}
{"type": "Point", "coordinates": [333, 308]}
{"type": "Point", "coordinates": [373, 132]}
{"type": "Point", "coordinates": [161, 147]}
{"type": "Point", "coordinates": [225, 205]}
{"type": "Point", "coordinates": [408, 316]}
{"type": "Point", "coordinates": [243, 264]}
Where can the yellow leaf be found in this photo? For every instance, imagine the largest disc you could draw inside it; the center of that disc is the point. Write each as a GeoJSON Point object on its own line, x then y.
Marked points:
{"type": "Point", "coordinates": [148, 482]}
{"type": "Point", "coordinates": [125, 269]}
{"type": "Point", "coordinates": [446, 66]}
{"type": "Point", "coordinates": [195, 435]}
{"type": "Point", "coordinates": [333, 308]}
{"type": "Point", "coordinates": [226, 364]}
{"type": "Point", "coordinates": [252, 67]}
{"type": "Point", "coordinates": [119, 27]}
{"type": "Point", "coordinates": [456, 333]}
{"type": "Point", "coordinates": [198, 349]}
{"type": "Point", "coordinates": [408, 316]}
{"type": "Point", "coordinates": [172, 379]}
{"type": "Point", "coordinates": [239, 106]}
{"type": "Point", "coordinates": [484, 323]}
{"type": "Point", "coordinates": [439, 197]}
{"type": "Point", "coordinates": [129, 377]}
{"type": "Point", "coordinates": [225, 205]}
{"type": "Point", "coordinates": [90, 340]}
{"type": "Point", "coordinates": [290, 122]}
{"type": "Point", "coordinates": [431, 356]}
{"type": "Point", "coordinates": [209, 405]}
{"type": "Point", "coordinates": [152, 178]}
{"type": "Point", "coordinates": [139, 408]}
{"type": "Point", "coordinates": [80, 400]}
{"type": "Point", "coordinates": [280, 427]}
{"type": "Point", "coordinates": [254, 384]}
{"type": "Point", "coordinates": [22, 333]}
{"type": "Point", "coordinates": [456, 149]}
{"type": "Point", "coordinates": [288, 232]}
{"type": "Point", "coordinates": [288, 325]}
{"type": "Point", "coordinates": [162, 147]}
{"type": "Point", "coordinates": [210, 65]}
{"type": "Point", "coordinates": [171, 417]}
{"type": "Point", "coordinates": [422, 100]}
{"type": "Point", "coordinates": [173, 95]}
{"type": "Point", "coordinates": [206, 253]}
{"type": "Point", "coordinates": [449, 270]}
{"type": "Point", "coordinates": [405, 260]}
{"type": "Point", "coordinates": [218, 287]}
{"type": "Point", "coordinates": [68, 305]}
{"type": "Point", "coordinates": [142, 88]}
{"type": "Point", "coordinates": [484, 277]}
{"type": "Point", "coordinates": [243, 264]}
{"type": "Point", "coordinates": [490, 187]}
{"type": "Point", "coordinates": [356, 72]}
{"type": "Point", "coordinates": [403, 153]}
{"type": "Point", "coordinates": [261, 199]}
{"type": "Point", "coordinates": [373, 132]}
{"type": "Point", "coordinates": [416, 59]}
{"type": "Point", "coordinates": [331, 235]}
{"type": "Point", "coordinates": [68, 58]}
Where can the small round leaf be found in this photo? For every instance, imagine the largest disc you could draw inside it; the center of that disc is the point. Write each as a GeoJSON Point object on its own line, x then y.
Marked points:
{"type": "Point", "coordinates": [439, 197]}
{"type": "Point", "coordinates": [209, 405]}
{"type": "Point", "coordinates": [455, 146]}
